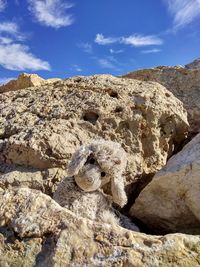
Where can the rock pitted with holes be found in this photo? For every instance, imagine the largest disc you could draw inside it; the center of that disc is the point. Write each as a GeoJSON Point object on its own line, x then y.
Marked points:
{"type": "Point", "coordinates": [42, 126]}
{"type": "Point", "coordinates": [184, 83]}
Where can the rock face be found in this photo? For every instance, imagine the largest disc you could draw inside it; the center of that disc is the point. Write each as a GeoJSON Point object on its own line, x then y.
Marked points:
{"type": "Point", "coordinates": [25, 80]}
{"type": "Point", "coordinates": [40, 127]}
{"type": "Point", "coordinates": [170, 202]}
{"type": "Point", "coordinates": [36, 231]}
{"type": "Point", "coordinates": [183, 83]}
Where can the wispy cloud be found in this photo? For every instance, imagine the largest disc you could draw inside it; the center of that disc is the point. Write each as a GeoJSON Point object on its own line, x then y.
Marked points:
{"type": "Point", "coordinates": [132, 40]}
{"type": "Point", "coordinates": [2, 5]}
{"type": "Point", "coordinates": [141, 40]}
{"type": "Point", "coordinates": [11, 28]}
{"type": "Point", "coordinates": [113, 51]}
{"type": "Point", "coordinates": [52, 13]}
{"type": "Point", "coordinates": [150, 51]}
{"type": "Point", "coordinates": [5, 40]}
{"type": "Point", "coordinates": [18, 57]}
{"type": "Point", "coordinates": [13, 54]}
{"type": "Point", "coordinates": [4, 80]}
{"type": "Point", "coordinates": [105, 63]}
{"type": "Point", "coordinates": [86, 47]}
{"type": "Point", "coordinates": [76, 68]}
{"type": "Point", "coordinates": [101, 40]}
{"type": "Point", "coordinates": [183, 11]}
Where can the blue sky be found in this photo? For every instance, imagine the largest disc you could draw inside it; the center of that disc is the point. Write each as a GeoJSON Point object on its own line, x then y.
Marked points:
{"type": "Point", "coordinates": [60, 38]}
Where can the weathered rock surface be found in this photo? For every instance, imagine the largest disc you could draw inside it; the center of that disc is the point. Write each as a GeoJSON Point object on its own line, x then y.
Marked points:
{"type": "Point", "coordinates": [16, 176]}
{"type": "Point", "coordinates": [25, 80]}
{"type": "Point", "coordinates": [42, 126]}
{"type": "Point", "coordinates": [170, 202]}
{"type": "Point", "coordinates": [36, 231]}
{"type": "Point", "coordinates": [183, 83]}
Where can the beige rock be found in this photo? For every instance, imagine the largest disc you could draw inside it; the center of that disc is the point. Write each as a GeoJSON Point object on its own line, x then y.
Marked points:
{"type": "Point", "coordinates": [183, 83]}
{"type": "Point", "coordinates": [25, 80]}
{"type": "Point", "coordinates": [170, 202]}
{"type": "Point", "coordinates": [42, 126]}
{"type": "Point", "coordinates": [36, 231]}
{"type": "Point", "coordinates": [19, 176]}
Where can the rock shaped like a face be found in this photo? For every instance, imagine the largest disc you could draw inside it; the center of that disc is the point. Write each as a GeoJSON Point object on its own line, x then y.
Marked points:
{"type": "Point", "coordinates": [42, 127]}
{"type": "Point", "coordinates": [170, 202]}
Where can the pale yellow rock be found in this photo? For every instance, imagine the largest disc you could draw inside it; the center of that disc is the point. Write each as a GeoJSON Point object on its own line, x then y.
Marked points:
{"type": "Point", "coordinates": [25, 80]}
{"type": "Point", "coordinates": [42, 126]}
{"type": "Point", "coordinates": [170, 202]}
{"type": "Point", "coordinates": [16, 176]}
{"type": "Point", "coordinates": [184, 83]}
{"type": "Point", "coordinates": [49, 235]}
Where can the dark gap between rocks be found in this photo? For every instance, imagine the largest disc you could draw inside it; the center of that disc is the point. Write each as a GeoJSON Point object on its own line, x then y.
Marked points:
{"type": "Point", "coordinates": [180, 146]}
{"type": "Point", "coordinates": [133, 190]}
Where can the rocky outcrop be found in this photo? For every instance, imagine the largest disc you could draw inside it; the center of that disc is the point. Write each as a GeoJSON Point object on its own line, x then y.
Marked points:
{"type": "Point", "coordinates": [183, 83]}
{"type": "Point", "coordinates": [170, 202]}
{"type": "Point", "coordinates": [25, 80]}
{"type": "Point", "coordinates": [194, 64]}
{"type": "Point", "coordinates": [36, 231]}
{"type": "Point", "coordinates": [40, 127]}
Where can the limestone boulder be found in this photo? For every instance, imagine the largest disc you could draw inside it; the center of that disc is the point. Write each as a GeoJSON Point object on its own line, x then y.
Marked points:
{"type": "Point", "coordinates": [184, 83]}
{"type": "Point", "coordinates": [170, 202]}
{"type": "Point", "coordinates": [40, 127]}
{"type": "Point", "coordinates": [37, 231]}
{"type": "Point", "coordinates": [25, 80]}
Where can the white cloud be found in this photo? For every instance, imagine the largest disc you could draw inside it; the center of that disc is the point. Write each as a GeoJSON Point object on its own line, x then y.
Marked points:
{"type": "Point", "coordinates": [113, 51]}
{"type": "Point", "coordinates": [108, 62]}
{"type": "Point", "coordinates": [76, 67]}
{"type": "Point", "coordinates": [141, 40]}
{"type": "Point", "coordinates": [101, 40]}
{"type": "Point", "coordinates": [2, 5]}
{"type": "Point", "coordinates": [133, 40]}
{"type": "Point", "coordinates": [51, 13]}
{"type": "Point", "coordinates": [183, 11]}
{"type": "Point", "coordinates": [18, 57]}
{"type": "Point", "coordinates": [86, 47]}
{"type": "Point", "coordinates": [4, 80]}
{"type": "Point", "coordinates": [105, 63]}
{"type": "Point", "coordinates": [5, 40]}
{"type": "Point", "coordinates": [14, 55]}
{"type": "Point", "coordinates": [154, 50]}
{"type": "Point", "coordinates": [11, 28]}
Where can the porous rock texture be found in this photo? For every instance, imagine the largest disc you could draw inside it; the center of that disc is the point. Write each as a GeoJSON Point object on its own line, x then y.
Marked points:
{"type": "Point", "coordinates": [184, 83]}
{"type": "Point", "coordinates": [40, 127]}
{"type": "Point", "coordinates": [170, 202]}
{"type": "Point", "coordinates": [36, 231]}
{"type": "Point", "coordinates": [25, 80]}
